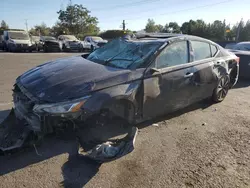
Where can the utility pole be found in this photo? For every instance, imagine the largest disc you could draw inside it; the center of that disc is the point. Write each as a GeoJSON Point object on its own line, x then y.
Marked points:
{"type": "Point", "coordinates": [123, 25]}
{"type": "Point", "coordinates": [26, 24]}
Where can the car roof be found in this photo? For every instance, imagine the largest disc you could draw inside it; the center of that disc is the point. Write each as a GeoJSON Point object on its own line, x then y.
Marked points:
{"type": "Point", "coordinates": [16, 31]}
{"type": "Point", "coordinates": [164, 37]}
{"type": "Point", "coordinates": [245, 42]}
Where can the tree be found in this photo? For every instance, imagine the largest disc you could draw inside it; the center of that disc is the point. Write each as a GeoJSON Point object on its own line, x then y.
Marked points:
{"type": "Point", "coordinates": [217, 30]}
{"type": "Point", "coordinates": [174, 27]}
{"type": "Point", "coordinates": [59, 29]}
{"type": "Point", "coordinates": [112, 34]}
{"type": "Point", "coordinates": [77, 19]}
{"type": "Point", "coordinates": [4, 25]}
{"type": "Point", "coordinates": [40, 30]}
{"type": "Point", "coordinates": [151, 27]}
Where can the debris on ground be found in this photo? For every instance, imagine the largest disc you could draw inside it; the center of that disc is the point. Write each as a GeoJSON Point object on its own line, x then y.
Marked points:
{"type": "Point", "coordinates": [156, 125]}
{"type": "Point", "coordinates": [203, 124]}
{"type": "Point", "coordinates": [14, 134]}
{"type": "Point", "coordinates": [112, 150]}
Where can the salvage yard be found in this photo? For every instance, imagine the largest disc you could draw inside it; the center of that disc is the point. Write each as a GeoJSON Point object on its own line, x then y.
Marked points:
{"type": "Point", "coordinates": [201, 146]}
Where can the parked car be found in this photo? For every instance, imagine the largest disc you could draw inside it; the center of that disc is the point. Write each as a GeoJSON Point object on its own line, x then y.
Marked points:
{"type": "Point", "coordinates": [242, 50]}
{"type": "Point", "coordinates": [1, 42]}
{"type": "Point", "coordinates": [86, 45]}
{"type": "Point", "coordinates": [230, 45]}
{"type": "Point", "coordinates": [50, 44]}
{"type": "Point", "coordinates": [16, 41]}
{"type": "Point", "coordinates": [135, 80]}
{"type": "Point", "coordinates": [70, 43]}
{"type": "Point", "coordinates": [36, 43]}
{"type": "Point", "coordinates": [96, 42]}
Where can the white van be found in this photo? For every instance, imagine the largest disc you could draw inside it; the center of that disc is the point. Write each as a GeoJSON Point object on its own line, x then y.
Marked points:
{"type": "Point", "coordinates": [16, 41]}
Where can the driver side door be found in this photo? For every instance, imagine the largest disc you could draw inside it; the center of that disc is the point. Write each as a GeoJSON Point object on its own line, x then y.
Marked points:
{"type": "Point", "coordinates": [167, 85]}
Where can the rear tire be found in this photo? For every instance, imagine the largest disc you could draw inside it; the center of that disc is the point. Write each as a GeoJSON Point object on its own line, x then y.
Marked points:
{"type": "Point", "coordinates": [221, 90]}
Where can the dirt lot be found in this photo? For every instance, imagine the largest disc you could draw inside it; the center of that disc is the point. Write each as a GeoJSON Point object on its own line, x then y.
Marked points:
{"type": "Point", "coordinates": [202, 146]}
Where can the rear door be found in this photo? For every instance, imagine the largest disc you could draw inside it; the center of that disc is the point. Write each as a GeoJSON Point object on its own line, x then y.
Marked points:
{"type": "Point", "coordinates": [204, 69]}
{"type": "Point", "coordinates": [167, 86]}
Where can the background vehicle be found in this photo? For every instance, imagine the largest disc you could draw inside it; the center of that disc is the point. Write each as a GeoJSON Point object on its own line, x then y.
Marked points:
{"type": "Point", "coordinates": [50, 44]}
{"type": "Point", "coordinates": [242, 50]}
{"type": "Point", "coordinates": [86, 45]}
{"type": "Point", "coordinates": [36, 43]}
{"type": "Point", "coordinates": [96, 42]}
{"type": "Point", "coordinates": [70, 43]}
{"type": "Point", "coordinates": [230, 45]}
{"type": "Point", "coordinates": [1, 42]}
{"type": "Point", "coordinates": [135, 80]}
{"type": "Point", "coordinates": [17, 41]}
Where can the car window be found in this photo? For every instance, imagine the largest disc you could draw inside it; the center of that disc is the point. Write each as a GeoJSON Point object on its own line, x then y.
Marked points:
{"type": "Point", "coordinates": [201, 50]}
{"type": "Point", "coordinates": [174, 54]}
{"type": "Point", "coordinates": [243, 47]}
{"type": "Point", "coordinates": [88, 39]}
{"type": "Point", "coordinates": [213, 50]}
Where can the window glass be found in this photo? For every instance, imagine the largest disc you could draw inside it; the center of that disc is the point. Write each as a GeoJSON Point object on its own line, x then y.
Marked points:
{"type": "Point", "coordinates": [213, 50]}
{"type": "Point", "coordinates": [175, 54]}
{"type": "Point", "coordinates": [201, 50]}
{"type": "Point", "coordinates": [242, 46]}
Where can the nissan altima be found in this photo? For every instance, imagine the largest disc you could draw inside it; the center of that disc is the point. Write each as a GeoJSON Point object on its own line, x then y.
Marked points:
{"type": "Point", "coordinates": [135, 79]}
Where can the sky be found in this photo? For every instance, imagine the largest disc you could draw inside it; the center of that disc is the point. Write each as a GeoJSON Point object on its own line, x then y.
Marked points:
{"type": "Point", "coordinates": [110, 13]}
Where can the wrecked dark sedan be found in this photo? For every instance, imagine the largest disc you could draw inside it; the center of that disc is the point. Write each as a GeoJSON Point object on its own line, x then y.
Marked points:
{"type": "Point", "coordinates": [136, 80]}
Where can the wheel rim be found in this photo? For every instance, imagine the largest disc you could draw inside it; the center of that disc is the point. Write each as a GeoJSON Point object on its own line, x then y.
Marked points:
{"type": "Point", "coordinates": [223, 88]}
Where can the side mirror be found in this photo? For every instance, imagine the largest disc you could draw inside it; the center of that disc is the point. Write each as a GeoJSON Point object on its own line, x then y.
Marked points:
{"type": "Point", "coordinates": [154, 70]}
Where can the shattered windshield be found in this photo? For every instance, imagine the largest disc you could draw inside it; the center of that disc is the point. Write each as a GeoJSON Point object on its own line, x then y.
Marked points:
{"type": "Point", "coordinates": [124, 54]}
{"type": "Point", "coordinates": [19, 35]}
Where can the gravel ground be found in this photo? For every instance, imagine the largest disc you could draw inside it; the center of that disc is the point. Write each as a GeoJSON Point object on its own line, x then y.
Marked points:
{"type": "Point", "coordinates": [201, 146]}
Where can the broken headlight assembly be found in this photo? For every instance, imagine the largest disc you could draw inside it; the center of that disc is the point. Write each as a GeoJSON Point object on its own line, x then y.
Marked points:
{"type": "Point", "coordinates": [61, 108]}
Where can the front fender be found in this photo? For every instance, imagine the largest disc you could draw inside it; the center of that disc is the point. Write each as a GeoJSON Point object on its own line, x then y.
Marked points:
{"type": "Point", "coordinates": [103, 98]}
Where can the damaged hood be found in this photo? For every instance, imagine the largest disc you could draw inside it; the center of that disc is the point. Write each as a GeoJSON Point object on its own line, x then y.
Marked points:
{"type": "Point", "coordinates": [70, 78]}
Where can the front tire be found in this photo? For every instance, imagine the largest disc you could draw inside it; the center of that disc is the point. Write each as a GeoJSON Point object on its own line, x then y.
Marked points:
{"type": "Point", "coordinates": [220, 92]}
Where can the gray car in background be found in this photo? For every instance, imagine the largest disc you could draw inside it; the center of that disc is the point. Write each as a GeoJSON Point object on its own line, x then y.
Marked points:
{"type": "Point", "coordinates": [95, 42]}
{"type": "Point", "coordinates": [242, 50]}
{"type": "Point", "coordinates": [70, 43]}
{"type": "Point", "coordinates": [36, 43]}
{"type": "Point", "coordinates": [1, 42]}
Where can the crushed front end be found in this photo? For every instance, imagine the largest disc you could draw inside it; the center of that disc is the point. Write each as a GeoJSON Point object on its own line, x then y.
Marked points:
{"type": "Point", "coordinates": [24, 126]}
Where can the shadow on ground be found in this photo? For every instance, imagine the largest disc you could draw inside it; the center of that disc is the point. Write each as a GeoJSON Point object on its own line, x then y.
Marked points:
{"type": "Point", "coordinates": [76, 171]}
{"type": "Point", "coordinates": [4, 114]}
{"type": "Point", "coordinates": [242, 83]}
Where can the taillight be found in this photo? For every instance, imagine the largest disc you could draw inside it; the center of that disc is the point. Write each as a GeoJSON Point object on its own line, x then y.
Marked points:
{"type": "Point", "coordinates": [237, 59]}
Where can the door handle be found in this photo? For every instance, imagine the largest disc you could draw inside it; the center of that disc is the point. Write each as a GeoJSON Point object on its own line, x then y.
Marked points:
{"type": "Point", "coordinates": [188, 75]}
